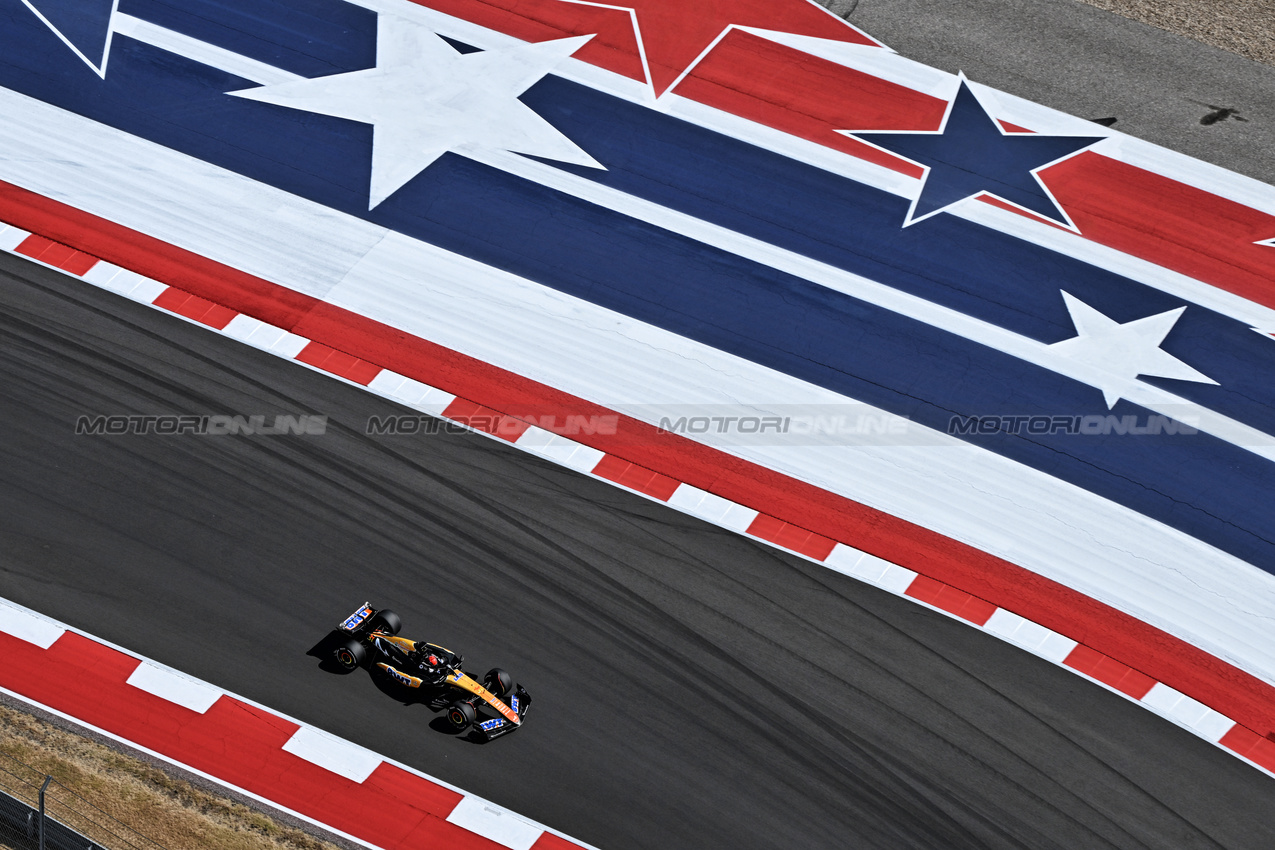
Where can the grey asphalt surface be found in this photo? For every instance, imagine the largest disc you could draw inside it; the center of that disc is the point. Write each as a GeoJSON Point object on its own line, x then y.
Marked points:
{"type": "Point", "coordinates": [692, 688]}
{"type": "Point", "coordinates": [1095, 64]}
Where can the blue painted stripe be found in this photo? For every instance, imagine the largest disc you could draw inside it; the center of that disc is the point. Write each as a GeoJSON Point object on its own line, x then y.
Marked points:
{"type": "Point", "coordinates": [673, 282]}
{"type": "Point", "coordinates": [307, 37]}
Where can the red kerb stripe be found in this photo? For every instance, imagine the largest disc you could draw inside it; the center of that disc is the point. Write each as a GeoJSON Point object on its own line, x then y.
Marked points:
{"type": "Point", "coordinates": [636, 477]}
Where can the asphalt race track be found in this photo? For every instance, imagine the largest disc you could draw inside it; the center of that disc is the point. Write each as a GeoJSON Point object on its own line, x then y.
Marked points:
{"type": "Point", "coordinates": [653, 644]}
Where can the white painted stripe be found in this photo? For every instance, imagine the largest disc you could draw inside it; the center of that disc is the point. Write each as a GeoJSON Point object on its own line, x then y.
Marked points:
{"type": "Point", "coordinates": [332, 753]}
{"type": "Point", "coordinates": [844, 559]}
{"type": "Point", "coordinates": [11, 237]}
{"type": "Point", "coordinates": [207, 54]}
{"type": "Point", "coordinates": [175, 687]}
{"type": "Point", "coordinates": [1033, 637]}
{"type": "Point", "coordinates": [264, 336]}
{"type": "Point", "coordinates": [411, 392]}
{"type": "Point", "coordinates": [1202, 595]}
{"type": "Point", "coordinates": [124, 282]}
{"type": "Point", "coordinates": [29, 626]}
{"type": "Point", "coordinates": [559, 449]}
{"type": "Point", "coordinates": [870, 568]}
{"type": "Point", "coordinates": [495, 823]}
{"type": "Point", "coordinates": [1185, 711]}
{"type": "Point", "coordinates": [1175, 704]}
{"type": "Point", "coordinates": [146, 290]}
{"type": "Point", "coordinates": [712, 508]}
{"type": "Point", "coordinates": [1213, 726]}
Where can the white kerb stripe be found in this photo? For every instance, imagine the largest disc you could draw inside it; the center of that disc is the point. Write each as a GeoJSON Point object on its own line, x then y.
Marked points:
{"type": "Point", "coordinates": [124, 282]}
{"type": "Point", "coordinates": [331, 753]}
{"type": "Point", "coordinates": [1185, 711]}
{"type": "Point", "coordinates": [11, 237]}
{"type": "Point", "coordinates": [30, 627]}
{"type": "Point", "coordinates": [870, 568]}
{"type": "Point", "coordinates": [492, 822]}
{"type": "Point", "coordinates": [1031, 636]}
{"type": "Point", "coordinates": [147, 290]}
{"type": "Point", "coordinates": [175, 687]}
{"type": "Point", "coordinates": [265, 336]}
{"type": "Point", "coordinates": [712, 508]}
{"type": "Point", "coordinates": [844, 559]}
{"type": "Point", "coordinates": [411, 392]}
{"type": "Point", "coordinates": [559, 449]}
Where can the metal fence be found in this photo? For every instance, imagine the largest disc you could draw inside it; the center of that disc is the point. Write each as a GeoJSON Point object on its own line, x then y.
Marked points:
{"type": "Point", "coordinates": [39, 813]}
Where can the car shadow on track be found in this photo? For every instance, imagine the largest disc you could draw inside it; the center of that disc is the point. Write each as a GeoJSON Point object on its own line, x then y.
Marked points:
{"type": "Point", "coordinates": [433, 701]}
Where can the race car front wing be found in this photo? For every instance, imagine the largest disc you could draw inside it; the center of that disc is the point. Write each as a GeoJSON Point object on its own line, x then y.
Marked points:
{"type": "Point", "coordinates": [520, 702]}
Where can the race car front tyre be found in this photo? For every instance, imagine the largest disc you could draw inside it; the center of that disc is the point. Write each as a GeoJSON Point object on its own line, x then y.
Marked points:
{"type": "Point", "coordinates": [460, 715]}
{"type": "Point", "coordinates": [498, 682]}
{"type": "Point", "coordinates": [349, 655]}
{"type": "Point", "coordinates": [386, 621]}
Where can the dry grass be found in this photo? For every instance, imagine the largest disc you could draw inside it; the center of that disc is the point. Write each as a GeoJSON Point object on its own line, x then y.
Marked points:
{"type": "Point", "coordinates": [170, 811]}
{"type": "Point", "coordinates": [1246, 27]}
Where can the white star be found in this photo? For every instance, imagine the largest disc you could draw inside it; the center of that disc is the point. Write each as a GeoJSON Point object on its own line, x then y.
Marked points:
{"type": "Point", "coordinates": [1125, 351]}
{"type": "Point", "coordinates": [424, 98]}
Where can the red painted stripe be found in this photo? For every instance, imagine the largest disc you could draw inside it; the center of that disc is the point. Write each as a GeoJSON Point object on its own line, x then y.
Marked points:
{"type": "Point", "coordinates": [783, 88]}
{"type": "Point", "coordinates": [338, 363]}
{"type": "Point", "coordinates": [1168, 223]}
{"type": "Point", "coordinates": [951, 600]}
{"type": "Point", "coordinates": [56, 254]}
{"type": "Point", "coordinates": [1109, 671]}
{"type": "Point", "coordinates": [1177, 663]}
{"type": "Point", "coordinates": [79, 263]}
{"type": "Point", "coordinates": [613, 46]}
{"type": "Point", "coordinates": [193, 307]}
{"type": "Point", "coordinates": [45, 250]}
{"type": "Point", "coordinates": [1251, 746]}
{"type": "Point", "coordinates": [636, 477]}
{"type": "Point", "coordinates": [792, 537]}
{"type": "Point", "coordinates": [486, 420]}
{"type": "Point", "coordinates": [33, 246]}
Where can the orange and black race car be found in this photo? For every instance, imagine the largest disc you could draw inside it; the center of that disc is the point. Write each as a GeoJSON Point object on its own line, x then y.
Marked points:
{"type": "Point", "coordinates": [369, 638]}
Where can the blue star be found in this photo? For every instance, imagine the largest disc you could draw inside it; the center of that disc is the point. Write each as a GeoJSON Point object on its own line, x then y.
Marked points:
{"type": "Point", "coordinates": [83, 25]}
{"type": "Point", "coordinates": [971, 154]}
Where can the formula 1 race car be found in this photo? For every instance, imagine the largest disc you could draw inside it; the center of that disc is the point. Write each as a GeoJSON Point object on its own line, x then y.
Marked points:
{"type": "Point", "coordinates": [369, 638]}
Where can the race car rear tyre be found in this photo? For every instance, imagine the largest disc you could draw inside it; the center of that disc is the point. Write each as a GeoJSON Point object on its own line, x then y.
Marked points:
{"type": "Point", "coordinates": [385, 620]}
{"type": "Point", "coordinates": [460, 715]}
{"type": "Point", "coordinates": [349, 655]}
{"type": "Point", "coordinates": [498, 682]}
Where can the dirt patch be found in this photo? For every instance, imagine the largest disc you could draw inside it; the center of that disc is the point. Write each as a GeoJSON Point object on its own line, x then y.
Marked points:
{"type": "Point", "coordinates": [165, 808]}
{"type": "Point", "coordinates": [1246, 27]}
